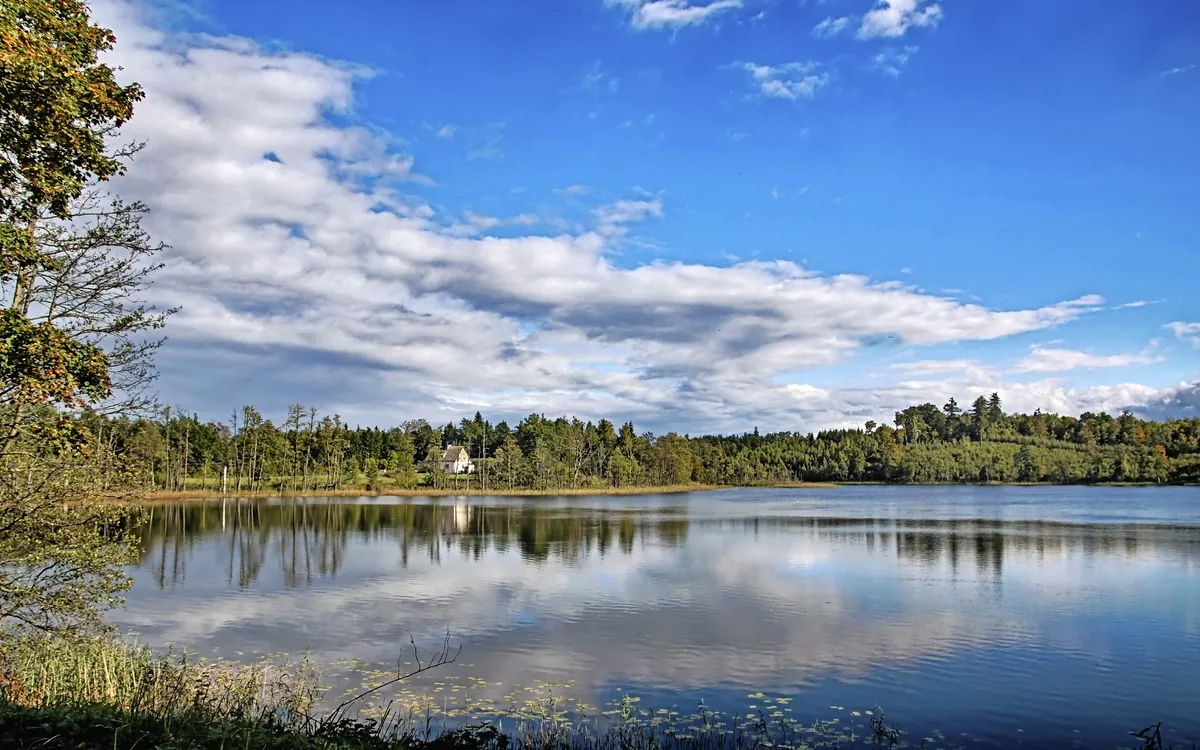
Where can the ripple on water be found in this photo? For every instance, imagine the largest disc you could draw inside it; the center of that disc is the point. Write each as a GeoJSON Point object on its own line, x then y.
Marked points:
{"type": "Point", "coordinates": [853, 598]}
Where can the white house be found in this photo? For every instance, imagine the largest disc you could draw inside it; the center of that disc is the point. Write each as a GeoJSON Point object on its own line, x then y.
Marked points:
{"type": "Point", "coordinates": [455, 460]}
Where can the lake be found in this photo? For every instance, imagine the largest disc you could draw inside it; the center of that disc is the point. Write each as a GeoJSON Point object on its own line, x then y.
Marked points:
{"type": "Point", "coordinates": [993, 615]}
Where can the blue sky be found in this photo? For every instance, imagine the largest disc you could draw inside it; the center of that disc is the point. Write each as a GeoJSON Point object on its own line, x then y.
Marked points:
{"type": "Point", "coordinates": [968, 160]}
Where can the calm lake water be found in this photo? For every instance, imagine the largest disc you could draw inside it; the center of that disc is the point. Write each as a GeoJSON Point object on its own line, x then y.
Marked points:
{"type": "Point", "coordinates": [1013, 614]}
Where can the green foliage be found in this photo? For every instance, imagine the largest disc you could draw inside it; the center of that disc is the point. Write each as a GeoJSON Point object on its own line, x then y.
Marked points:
{"type": "Point", "coordinates": [929, 445]}
{"type": "Point", "coordinates": [57, 104]}
{"type": "Point", "coordinates": [63, 532]}
{"type": "Point", "coordinates": [371, 470]}
{"type": "Point", "coordinates": [64, 539]}
{"type": "Point", "coordinates": [50, 671]}
{"type": "Point", "coordinates": [40, 364]}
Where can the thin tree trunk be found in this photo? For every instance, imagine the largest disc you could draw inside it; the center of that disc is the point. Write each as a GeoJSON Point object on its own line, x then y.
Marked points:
{"type": "Point", "coordinates": [186, 446]}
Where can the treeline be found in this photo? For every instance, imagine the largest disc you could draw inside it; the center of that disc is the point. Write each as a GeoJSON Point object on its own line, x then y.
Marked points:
{"type": "Point", "coordinates": [307, 451]}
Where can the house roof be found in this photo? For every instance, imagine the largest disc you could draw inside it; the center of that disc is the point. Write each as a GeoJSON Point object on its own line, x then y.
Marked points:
{"type": "Point", "coordinates": [453, 452]}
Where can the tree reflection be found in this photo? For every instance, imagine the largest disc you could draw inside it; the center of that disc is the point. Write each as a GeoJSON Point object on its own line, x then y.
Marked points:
{"type": "Point", "coordinates": [309, 539]}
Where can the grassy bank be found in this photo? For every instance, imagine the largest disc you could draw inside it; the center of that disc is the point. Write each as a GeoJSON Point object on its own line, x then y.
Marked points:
{"type": "Point", "coordinates": [74, 693]}
{"type": "Point", "coordinates": [57, 693]}
{"type": "Point", "coordinates": [200, 493]}
{"type": "Point", "coordinates": [391, 491]}
{"type": "Point", "coordinates": [203, 494]}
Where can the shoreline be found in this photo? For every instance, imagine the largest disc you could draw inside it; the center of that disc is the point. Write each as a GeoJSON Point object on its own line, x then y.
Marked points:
{"type": "Point", "coordinates": [166, 495]}
{"type": "Point", "coordinates": [160, 496]}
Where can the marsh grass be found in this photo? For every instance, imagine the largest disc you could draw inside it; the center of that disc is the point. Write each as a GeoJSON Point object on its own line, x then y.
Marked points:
{"type": "Point", "coordinates": [58, 693]}
{"type": "Point", "coordinates": [55, 672]}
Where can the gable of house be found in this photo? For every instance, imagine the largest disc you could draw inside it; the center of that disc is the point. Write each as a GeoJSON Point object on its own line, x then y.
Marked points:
{"type": "Point", "coordinates": [454, 454]}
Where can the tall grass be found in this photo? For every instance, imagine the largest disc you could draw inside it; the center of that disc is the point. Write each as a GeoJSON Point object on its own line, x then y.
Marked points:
{"type": "Point", "coordinates": [56, 692]}
{"type": "Point", "coordinates": [60, 693]}
{"type": "Point", "coordinates": [55, 672]}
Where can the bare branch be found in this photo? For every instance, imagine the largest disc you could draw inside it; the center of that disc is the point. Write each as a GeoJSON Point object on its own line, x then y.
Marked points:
{"type": "Point", "coordinates": [441, 658]}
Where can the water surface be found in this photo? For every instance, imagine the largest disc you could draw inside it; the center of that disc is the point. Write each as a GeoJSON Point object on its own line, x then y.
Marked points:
{"type": "Point", "coordinates": [1010, 614]}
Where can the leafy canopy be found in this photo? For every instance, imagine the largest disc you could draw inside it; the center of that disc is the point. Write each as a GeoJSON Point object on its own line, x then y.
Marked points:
{"type": "Point", "coordinates": [62, 546]}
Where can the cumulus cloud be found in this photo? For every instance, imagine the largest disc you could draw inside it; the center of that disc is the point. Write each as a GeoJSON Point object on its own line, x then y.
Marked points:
{"type": "Point", "coordinates": [1180, 402]}
{"type": "Point", "coordinates": [787, 81]}
{"type": "Point", "coordinates": [893, 18]}
{"type": "Point", "coordinates": [831, 27]}
{"type": "Point", "coordinates": [672, 14]}
{"type": "Point", "coordinates": [315, 274]}
{"type": "Point", "coordinates": [1047, 359]}
{"type": "Point", "coordinates": [1186, 331]}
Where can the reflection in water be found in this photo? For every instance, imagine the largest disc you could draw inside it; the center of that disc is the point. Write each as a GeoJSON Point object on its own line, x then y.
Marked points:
{"type": "Point", "coordinates": [995, 620]}
{"type": "Point", "coordinates": [309, 539]}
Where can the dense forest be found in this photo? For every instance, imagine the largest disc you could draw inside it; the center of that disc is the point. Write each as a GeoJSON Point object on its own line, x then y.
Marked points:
{"type": "Point", "coordinates": [308, 451]}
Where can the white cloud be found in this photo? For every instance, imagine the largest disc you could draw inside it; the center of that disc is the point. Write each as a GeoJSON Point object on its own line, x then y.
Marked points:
{"type": "Point", "coordinates": [1177, 71]}
{"type": "Point", "coordinates": [489, 150]}
{"type": "Point", "coordinates": [611, 219]}
{"type": "Point", "coordinates": [672, 14]}
{"type": "Point", "coordinates": [597, 81]}
{"type": "Point", "coordinates": [1186, 331]}
{"type": "Point", "coordinates": [474, 224]}
{"type": "Point", "coordinates": [316, 278]}
{"type": "Point", "coordinates": [892, 18]}
{"type": "Point", "coordinates": [1052, 395]}
{"type": "Point", "coordinates": [967, 379]}
{"type": "Point", "coordinates": [788, 81]}
{"type": "Point", "coordinates": [774, 576]}
{"type": "Point", "coordinates": [574, 190]}
{"type": "Point", "coordinates": [891, 61]}
{"type": "Point", "coordinates": [1045, 359]}
{"type": "Point", "coordinates": [963, 367]}
{"type": "Point", "coordinates": [1136, 304]}
{"type": "Point", "coordinates": [446, 131]}
{"type": "Point", "coordinates": [831, 27]}
{"type": "Point", "coordinates": [778, 194]}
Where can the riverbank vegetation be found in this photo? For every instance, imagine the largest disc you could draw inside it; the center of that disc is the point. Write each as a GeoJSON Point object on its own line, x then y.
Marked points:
{"type": "Point", "coordinates": [73, 334]}
{"type": "Point", "coordinates": [58, 693]}
{"type": "Point", "coordinates": [307, 452]}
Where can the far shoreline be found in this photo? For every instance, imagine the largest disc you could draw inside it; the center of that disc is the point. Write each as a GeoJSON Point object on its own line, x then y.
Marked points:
{"type": "Point", "coordinates": [160, 496]}
{"type": "Point", "coordinates": [168, 495]}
